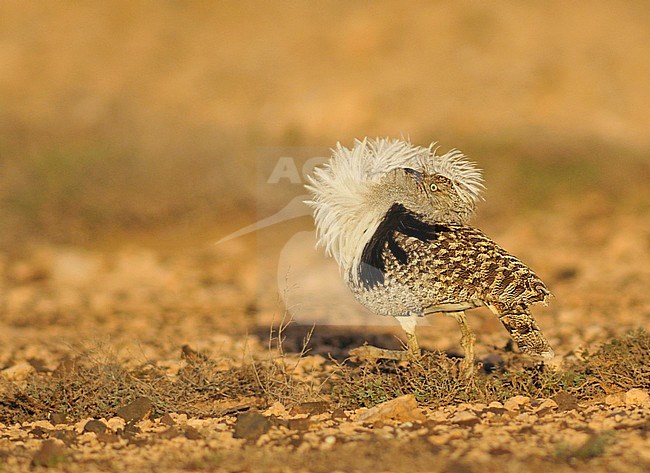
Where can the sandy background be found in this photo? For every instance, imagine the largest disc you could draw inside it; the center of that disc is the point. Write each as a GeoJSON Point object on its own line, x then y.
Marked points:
{"type": "Point", "coordinates": [146, 115]}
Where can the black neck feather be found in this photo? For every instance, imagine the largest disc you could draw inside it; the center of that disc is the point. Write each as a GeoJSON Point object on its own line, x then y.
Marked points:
{"type": "Point", "coordinates": [397, 220]}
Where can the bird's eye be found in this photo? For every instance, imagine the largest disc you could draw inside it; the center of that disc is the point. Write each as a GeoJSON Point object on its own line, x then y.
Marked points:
{"type": "Point", "coordinates": [433, 187]}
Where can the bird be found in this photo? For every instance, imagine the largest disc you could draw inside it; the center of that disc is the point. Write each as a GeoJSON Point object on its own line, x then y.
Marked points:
{"type": "Point", "coordinates": [396, 218]}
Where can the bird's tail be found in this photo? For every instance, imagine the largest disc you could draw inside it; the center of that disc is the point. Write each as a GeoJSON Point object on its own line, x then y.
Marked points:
{"type": "Point", "coordinates": [524, 330]}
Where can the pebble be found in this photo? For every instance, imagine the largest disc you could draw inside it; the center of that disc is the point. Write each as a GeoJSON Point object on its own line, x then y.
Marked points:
{"type": "Point", "coordinates": [515, 403]}
{"type": "Point", "coordinates": [115, 423]}
{"type": "Point", "coordinates": [137, 410]}
{"type": "Point", "coordinates": [192, 433]}
{"type": "Point", "coordinates": [277, 409]}
{"type": "Point", "coordinates": [546, 406]}
{"type": "Point", "coordinates": [95, 426]}
{"type": "Point", "coordinates": [403, 408]}
{"type": "Point", "coordinates": [166, 419]}
{"type": "Point", "coordinates": [565, 401]}
{"type": "Point", "coordinates": [465, 418]}
{"type": "Point", "coordinates": [57, 418]}
{"type": "Point", "coordinates": [339, 413]}
{"type": "Point", "coordinates": [637, 397]}
{"type": "Point", "coordinates": [251, 425]}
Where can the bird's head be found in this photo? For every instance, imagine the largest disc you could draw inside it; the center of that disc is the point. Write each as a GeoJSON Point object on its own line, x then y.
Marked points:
{"type": "Point", "coordinates": [432, 196]}
{"type": "Point", "coordinates": [354, 191]}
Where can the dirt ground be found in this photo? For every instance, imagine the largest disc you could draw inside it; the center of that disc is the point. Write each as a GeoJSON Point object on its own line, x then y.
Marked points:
{"type": "Point", "coordinates": [161, 359]}
{"type": "Point", "coordinates": [134, 136]}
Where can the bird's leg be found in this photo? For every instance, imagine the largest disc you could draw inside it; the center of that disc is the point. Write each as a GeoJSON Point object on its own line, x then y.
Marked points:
{"type": "Point", "coordinates": [412, 346]}
{"type": "Point", "coordinates": [408, 323]}
{"type": "Point", "coordinates": [412, 352]}
{"type": "Point", "coordinates": [467, 340]}
{"type": "Point", "coordinates": [524, 331]}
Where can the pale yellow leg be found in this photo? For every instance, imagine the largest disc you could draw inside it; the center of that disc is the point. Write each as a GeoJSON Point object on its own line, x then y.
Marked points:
{"type": "Point", "coordinates": [467, 340]}
{"type": "Point", "coordinates": [413, 348]}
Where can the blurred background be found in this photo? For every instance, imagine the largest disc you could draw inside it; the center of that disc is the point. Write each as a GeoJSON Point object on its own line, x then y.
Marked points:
{"type": "Point", "coordinates": [119, 117]}
{"type": "Point", "coordinates": [134, 135]}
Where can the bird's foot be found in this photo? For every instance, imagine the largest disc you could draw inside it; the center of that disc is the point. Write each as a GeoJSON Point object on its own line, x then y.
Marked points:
{"type": "Point", "coordinates": [372, 354]}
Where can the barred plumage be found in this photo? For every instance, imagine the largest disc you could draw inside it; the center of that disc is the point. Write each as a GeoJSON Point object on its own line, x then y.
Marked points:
{"type": "Point", "coordinates": [395, 217]}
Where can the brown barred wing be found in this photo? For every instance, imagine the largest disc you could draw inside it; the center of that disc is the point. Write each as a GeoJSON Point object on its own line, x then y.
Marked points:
{"type": "Point", "coordinates": [461, 267]}
{"type": "Point", "coordinates": [461, 264]}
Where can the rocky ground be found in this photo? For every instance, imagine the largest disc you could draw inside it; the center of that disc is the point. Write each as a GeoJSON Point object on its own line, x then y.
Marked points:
{"type": "Point", "coordinates": [521, 433]}
{"type": "Point", "coordinates": [135, 357]}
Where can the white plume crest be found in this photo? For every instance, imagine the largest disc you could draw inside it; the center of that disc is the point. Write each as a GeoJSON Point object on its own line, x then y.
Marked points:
{"type": "Point", "coordinates": [345, 220]}
{"type": "Point", "coordinates": [466, 177]}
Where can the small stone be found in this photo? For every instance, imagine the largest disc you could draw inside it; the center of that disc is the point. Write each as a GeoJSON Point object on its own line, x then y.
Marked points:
{"type": "Point", "coordinates": [191, 433]}
{"type": "Point", "coordinates": [310, 408]}
{"type": "Point", "coordinates": [51, 454]}
{"type": "Point", "coordinates": [329, 440]}
{"type": "Point", "coordinates": [565, 401]}
{"type": "Point", "coordinates": [251, 425]}
{"type": "Point", "coordinates": [95, 426]}
{"type": "Point", "coordinates": [637, 397]}
{"type": "Point", "coordinates": [115, 423]}
{"type": "Point", "coordinates": [546, 406]}
{"type": "Point", "coordinates": [465, 418]}
{"type": "Point", "coordinates": [339, 413]}
{"type": "Point", "coordinates": [138, 410]}
{"type": "Point", "coordinates": [403, 408]}
{"type": "Point", "coordinates": [516, 402]}
{"type": "Point", "coordinates": [56, 418]}
{"type": "Point", "coordinates": [438, 416]}
{"type": "Point", "coordinates": [277, 409]}
{"type": "Point", "coordinates": [166, 419]}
